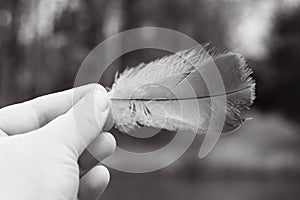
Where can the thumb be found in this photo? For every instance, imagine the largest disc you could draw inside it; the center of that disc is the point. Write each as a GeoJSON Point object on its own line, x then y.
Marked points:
{"type": "Point", "coordinates": [82, 123]}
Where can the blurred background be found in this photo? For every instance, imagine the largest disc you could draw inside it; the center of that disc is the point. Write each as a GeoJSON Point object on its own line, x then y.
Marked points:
{"type": "Point", "coordinates": [43, 43]}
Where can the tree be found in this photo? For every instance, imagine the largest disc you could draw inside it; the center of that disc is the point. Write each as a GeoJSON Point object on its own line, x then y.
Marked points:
{"type": "Point", "coordinates": [281, 88]}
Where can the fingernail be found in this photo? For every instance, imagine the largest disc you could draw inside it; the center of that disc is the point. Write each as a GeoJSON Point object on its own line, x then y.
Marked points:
{"type": "Point", "coordinates": [101, 100]}
{"type": "Point", "coordinates": [100, 87]}
{"type": "Point", "coordinates": [109, 122]}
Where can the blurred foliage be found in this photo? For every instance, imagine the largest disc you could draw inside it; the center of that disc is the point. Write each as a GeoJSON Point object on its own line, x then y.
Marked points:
{"type": "Point", "coordinates": [279, 88]}
{"type": "Point", "coordinates": [44, 42]}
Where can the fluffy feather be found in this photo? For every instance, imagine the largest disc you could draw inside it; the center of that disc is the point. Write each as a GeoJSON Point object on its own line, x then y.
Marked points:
{"type": "Point", "coordinates": [170, 93]}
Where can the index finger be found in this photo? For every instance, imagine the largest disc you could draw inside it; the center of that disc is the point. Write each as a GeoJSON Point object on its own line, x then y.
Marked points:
{"type": "Point", "coordinates": [33, 114]}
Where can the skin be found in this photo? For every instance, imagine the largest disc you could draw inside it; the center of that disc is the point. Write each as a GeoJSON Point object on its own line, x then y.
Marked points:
{"type": "Point", "coordinates": [50, 147]}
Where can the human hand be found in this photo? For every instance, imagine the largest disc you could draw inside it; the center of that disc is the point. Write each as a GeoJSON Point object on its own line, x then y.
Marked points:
{"type": "Point", "coordinates": [43, 144]}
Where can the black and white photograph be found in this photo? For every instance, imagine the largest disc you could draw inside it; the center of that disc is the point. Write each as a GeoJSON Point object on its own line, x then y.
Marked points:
{"type": "Point", "coordinates": [149, 99]}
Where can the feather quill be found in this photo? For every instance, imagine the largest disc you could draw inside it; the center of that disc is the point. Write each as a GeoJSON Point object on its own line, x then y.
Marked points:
{"type": "Point", "coordinates": [154, 94]}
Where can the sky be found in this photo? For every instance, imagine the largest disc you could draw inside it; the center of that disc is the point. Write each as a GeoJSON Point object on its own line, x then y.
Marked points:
{"type": "Point", "coordinates": [250, 30]}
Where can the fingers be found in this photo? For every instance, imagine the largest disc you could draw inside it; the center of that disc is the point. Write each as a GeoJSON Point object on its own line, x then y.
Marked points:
{"type": "Point", "coordinates": [81, 124]}
{"type": "Point", "coordinates": [93, 183]}
{"type": "Point", "coordinates": [2, 134]}
{"type": "Point", "coordinates": [109, 122]}
{"type": "Point", "coordinates": [33, 114]}
{"type": "Point", "coordinates": [103, 146]}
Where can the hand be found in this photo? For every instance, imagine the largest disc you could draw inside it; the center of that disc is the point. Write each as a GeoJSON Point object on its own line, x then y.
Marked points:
{"type": "Point", "coordinates": [43, 144]}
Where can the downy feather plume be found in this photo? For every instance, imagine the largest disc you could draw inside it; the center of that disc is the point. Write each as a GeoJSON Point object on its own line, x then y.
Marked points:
{"type": "Point", "coordinates": [171, 93]}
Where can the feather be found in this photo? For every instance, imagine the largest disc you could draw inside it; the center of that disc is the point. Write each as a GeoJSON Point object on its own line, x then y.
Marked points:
{"type": "Point", "coordinates": [171, 92]}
